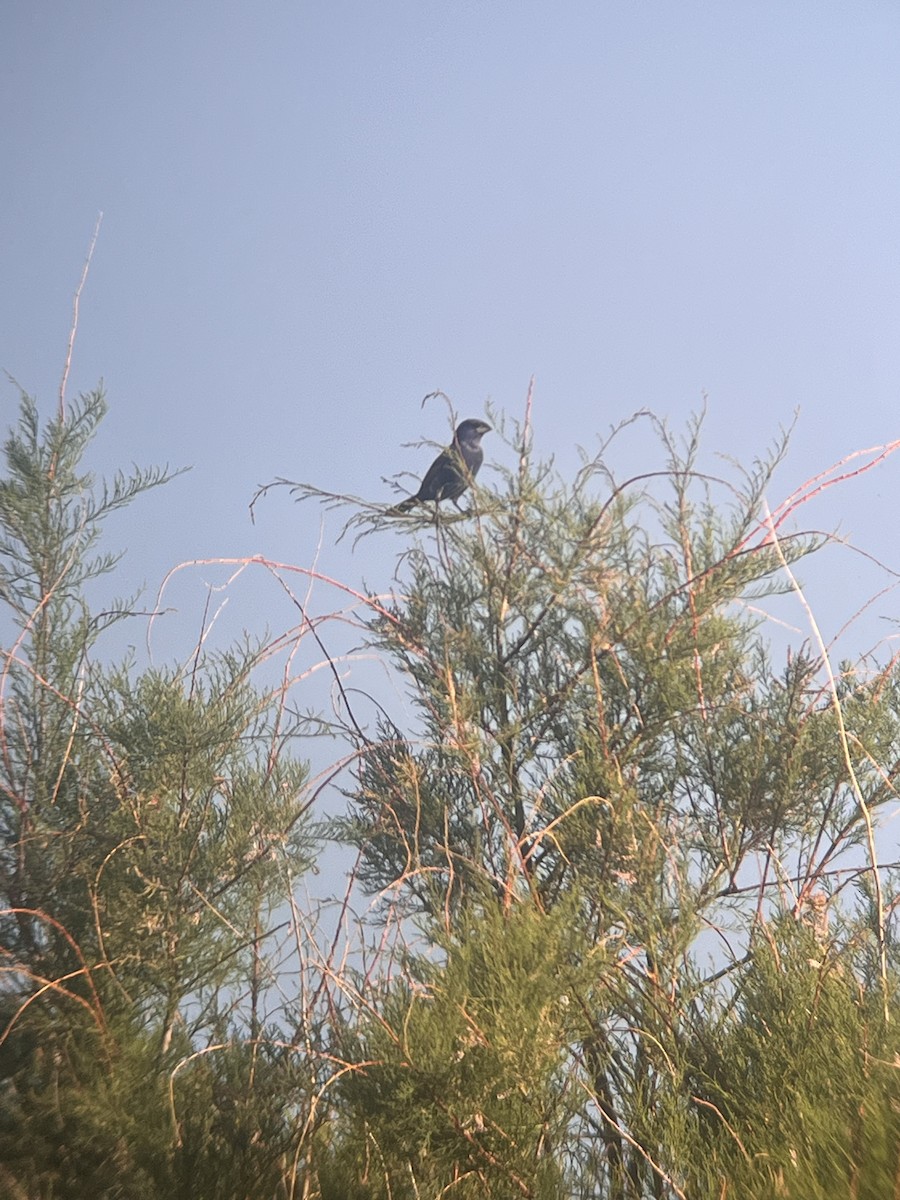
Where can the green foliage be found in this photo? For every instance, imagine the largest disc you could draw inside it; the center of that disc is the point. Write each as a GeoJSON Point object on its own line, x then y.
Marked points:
{"type": "Point", "coordinates": [565, 667]}
{"type": "Point", "coordinates": [51, 514]}
{"type": "Point", "coordinates": [148, 820]}
{"type": "Point", "coordinates": [629, 941]}
{"type": "Point", "coordinates": [798, 1081]}
{"type": "Point", "coordinates": [601, 727]}
{"type": "Point", "coordinates": [51, 517]}
{"type": "Point", "coordinates": [460, 1083]}
{"type": "Point", "coordinates": [106, 1116]}
{"type": "Point", "coordinates": [201, 819]}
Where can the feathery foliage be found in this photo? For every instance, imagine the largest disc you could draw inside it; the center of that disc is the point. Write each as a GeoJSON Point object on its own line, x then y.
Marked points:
{"type": "Point", "coordinates": [146, 823]}
{"type": "Point", "coordinates": [630, 935]}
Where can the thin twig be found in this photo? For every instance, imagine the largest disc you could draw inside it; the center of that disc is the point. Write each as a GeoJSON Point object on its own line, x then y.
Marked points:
{"type": "Point", "coordinates": [74, 329]}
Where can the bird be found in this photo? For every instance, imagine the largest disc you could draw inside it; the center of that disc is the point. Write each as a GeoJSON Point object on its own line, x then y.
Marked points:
{"type": "Point", "coordinates": [453, 469]}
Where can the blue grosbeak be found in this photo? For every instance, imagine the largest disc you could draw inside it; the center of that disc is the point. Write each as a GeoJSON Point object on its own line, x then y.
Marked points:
{"type": "Point", "coordinates": [453, 469]}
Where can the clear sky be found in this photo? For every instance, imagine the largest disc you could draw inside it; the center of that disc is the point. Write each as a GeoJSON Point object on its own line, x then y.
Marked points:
{"type": "Point", "coordinates": [315, 213]}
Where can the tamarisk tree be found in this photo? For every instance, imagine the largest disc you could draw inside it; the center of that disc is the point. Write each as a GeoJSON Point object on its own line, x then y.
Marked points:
{"type": "Point", "coordinates": [629, 933]}
{"type": "Point", "coordinates": [641, 850]}
{"type": "Point", "coordinates": [148, 820]}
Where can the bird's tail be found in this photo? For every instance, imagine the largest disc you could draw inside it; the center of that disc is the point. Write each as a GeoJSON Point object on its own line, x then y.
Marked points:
{"type": "Point", "coordinates": [403, 507]}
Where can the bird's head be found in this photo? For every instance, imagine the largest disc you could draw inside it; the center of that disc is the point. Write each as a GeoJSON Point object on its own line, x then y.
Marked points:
{"type": "Point", "coordinates": [472, 430]}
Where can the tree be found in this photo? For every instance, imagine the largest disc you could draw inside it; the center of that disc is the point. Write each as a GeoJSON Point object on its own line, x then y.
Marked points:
{"type": "Point", "coordinates": [631, 935]}
{"type": "Point", "coordinates": [148, 820]}
{"type": "Point", "coordinates": [601, 727]}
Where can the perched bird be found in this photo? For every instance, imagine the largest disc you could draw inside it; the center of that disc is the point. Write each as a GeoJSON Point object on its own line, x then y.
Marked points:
{"type": "Point", "coordinates": [453, 469]}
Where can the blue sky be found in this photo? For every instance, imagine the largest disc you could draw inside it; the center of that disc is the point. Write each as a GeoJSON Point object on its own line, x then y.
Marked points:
{"type": "Point", "coordinates": [316, 213]}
